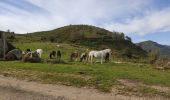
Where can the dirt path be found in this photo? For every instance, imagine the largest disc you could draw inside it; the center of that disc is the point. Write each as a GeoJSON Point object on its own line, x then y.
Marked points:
{"type": "Point", "coordinates": [14, 89]}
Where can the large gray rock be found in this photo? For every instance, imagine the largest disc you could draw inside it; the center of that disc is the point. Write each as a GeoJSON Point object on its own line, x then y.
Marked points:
{"type": "Point", "coordinates": [15, 54]}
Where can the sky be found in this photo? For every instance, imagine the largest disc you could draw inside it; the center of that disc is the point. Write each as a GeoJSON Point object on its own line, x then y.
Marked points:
{"type": "Point", "coordinates": [140, 19]}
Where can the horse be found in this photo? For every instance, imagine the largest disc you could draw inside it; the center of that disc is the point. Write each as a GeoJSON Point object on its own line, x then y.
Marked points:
{"type": "Point", "coordinates": [83, 56]}
{"type": "Point", "coordinates": [52, 54]}
{"type": "Point", "coordinates": [107, 57]}
{"type": "Point", "coordinates": [39, 51]}
{"type": "Point", "coordinates": [99, 54]}
{"type": "Point", "coordinates": [58, 55]}
{"type": "Point", "coordinates": [28, 50]}
{"type": "Point", "coordinates": [74, 55]}
{"type": "Point", "coordinates": [32, 56]}
{"type": "Point", "coordinates": [25, 52]}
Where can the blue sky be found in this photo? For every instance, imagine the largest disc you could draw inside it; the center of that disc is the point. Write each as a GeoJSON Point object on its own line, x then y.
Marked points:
{"type": "Point", "coordinates": [140, 19]}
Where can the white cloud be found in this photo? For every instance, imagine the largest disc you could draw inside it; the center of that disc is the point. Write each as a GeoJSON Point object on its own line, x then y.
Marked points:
{"type": "Point", "coordinates": [151, 22]}
{"type": "Point", "coordinates": [118, 15]}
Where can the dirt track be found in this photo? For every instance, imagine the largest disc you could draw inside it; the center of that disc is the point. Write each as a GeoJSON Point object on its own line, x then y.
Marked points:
{"type": "Point", "coordinates": [14, 89]}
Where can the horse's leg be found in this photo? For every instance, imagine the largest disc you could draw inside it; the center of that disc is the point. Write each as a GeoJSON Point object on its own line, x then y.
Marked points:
{"type": "Point", "coordinates": [91, 57]}
{"type": "Point", "coordinates": [101, 60]}
{"type": "Point", "coordinates": [88, 59]}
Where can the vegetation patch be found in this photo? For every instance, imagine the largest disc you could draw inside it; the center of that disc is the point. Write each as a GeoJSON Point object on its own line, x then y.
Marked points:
{"type": "Point", "coordinates": [102, 77]}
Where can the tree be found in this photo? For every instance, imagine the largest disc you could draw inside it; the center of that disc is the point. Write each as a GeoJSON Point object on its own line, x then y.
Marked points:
{"type": "Point", "coordinates": [8, 31]}
{"type": "Point", "coordinates": [52, 39]}
{"type": "Point", "coordinates": [128, 38]}
{"type": "Point", "coordinates": [122, 36]}
{"type": "Point", "coordinates": [43, 38]}
{"type": "Point", "coordinates": [127, 52]}
{"type": "Point", "coordinates": [154, 55]}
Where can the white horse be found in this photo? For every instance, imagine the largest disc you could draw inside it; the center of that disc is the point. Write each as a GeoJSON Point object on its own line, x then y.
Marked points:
{"type": "Point", "coordinates": [39, 51]}
{"type": "Point", "coordinates": [98, 54]}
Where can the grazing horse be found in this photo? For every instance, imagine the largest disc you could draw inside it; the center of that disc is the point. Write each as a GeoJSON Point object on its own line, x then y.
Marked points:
{"type": "Point", "coordinates": [99, 54]}
{"type": "Point", "coordinates": [25, 52]}
{"type": "Point", "coordinates": [28, 50]}
{"type": "Point", "coordinates": [107, 57]}
{"type": "Point", "coordinates": [74, 56]}
{"type": "Point", "coordinates": [52, 54]}
{"type": "Point", "coordinates": [58, 55]}
{"type": "Point", "coordinates": [83, 56]}
{"type": "Point", "coordinates": [31, 57]}
{"type": "Point", "coordinates": [39, 51]}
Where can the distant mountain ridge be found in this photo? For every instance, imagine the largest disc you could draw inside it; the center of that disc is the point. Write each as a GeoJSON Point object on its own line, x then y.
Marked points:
{"type": "Point", "coordinates": [151, 45]}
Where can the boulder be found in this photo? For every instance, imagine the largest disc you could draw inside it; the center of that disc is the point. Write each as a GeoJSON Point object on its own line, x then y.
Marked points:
{"type": "Point", "coordinates": [15, 54]}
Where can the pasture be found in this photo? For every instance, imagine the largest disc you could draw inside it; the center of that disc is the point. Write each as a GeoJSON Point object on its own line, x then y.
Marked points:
{"type": "Point", "coordinates": [80, 74]}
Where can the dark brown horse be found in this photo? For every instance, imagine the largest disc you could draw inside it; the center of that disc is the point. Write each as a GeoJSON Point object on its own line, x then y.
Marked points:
{"type": "Point", "coordinates": [74, 56]}
{"type": "Point", "coordinates": [52, 54]}
{"type": "Point", "coordinates": [58, 55]}
{"type": "Point", "coordinates": [107, 57]}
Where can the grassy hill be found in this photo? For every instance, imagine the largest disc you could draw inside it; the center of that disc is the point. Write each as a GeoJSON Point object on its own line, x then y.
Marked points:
{"type": "Point", "coordinates": [150, 45]}
{"type": "Point", "coordinates": [85, 35]}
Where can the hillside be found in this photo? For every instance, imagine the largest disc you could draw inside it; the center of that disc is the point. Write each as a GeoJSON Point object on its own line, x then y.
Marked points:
{"type": "Point", "coordinates": [86, 35]}
{"type": "Point", "coordinates": [167, 46]}
{"type": "Point", "coordinates": [150, 45]}
{"type": "Point", "coordinates": [77, 33]}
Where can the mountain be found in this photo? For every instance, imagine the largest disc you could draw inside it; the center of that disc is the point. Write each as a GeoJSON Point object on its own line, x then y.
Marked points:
{"type": "Point", "coordinates": [87, 35]}
{"type": "Point", "coordinates": [150, 45]}
{"type": "Point", "coordinates": [167, 46]}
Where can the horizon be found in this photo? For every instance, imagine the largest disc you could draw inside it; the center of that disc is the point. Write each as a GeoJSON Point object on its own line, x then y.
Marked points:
{"type": "Point", "coordinates": [142, 20]}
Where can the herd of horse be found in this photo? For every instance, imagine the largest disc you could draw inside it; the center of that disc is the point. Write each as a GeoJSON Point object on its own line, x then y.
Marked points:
{"type": "Point", "coordinates": [103, 55]}
{"type": "Point", "coordinates": [35, 56]}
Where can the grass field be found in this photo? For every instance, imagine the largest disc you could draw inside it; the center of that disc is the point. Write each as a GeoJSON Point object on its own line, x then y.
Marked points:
{"type": "Point", "coordinates": [79, 74]}
{"type": "Point", "coordinates": [102, 77]}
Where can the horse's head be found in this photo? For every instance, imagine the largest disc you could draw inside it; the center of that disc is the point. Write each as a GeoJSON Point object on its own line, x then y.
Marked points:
{"type": "Point", "coordinates": [108, 51]}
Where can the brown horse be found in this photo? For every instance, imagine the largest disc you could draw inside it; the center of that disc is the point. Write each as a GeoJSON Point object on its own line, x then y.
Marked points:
{"type": "Point", "coordinates": [74, 56]}
{"type": "Point", "coordinates": [31, 57]}
{"type": "Point", "coordinates": [58, 55]}
{"type": "Point", "coordinates": [52, 54]}
{"type": "Point", "coordinates": [107, 57]}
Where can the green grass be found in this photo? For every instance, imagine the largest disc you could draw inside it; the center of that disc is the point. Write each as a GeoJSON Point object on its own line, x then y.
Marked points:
{"type": "Point", "coordinates": [102, 77]}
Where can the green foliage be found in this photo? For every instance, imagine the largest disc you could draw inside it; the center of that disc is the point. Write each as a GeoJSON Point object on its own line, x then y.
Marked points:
{"type": "Point", "coordinates": [127, 52]}
{"type": "Point", "coordinates": [162, 63]}
{"type": "Point", "coordinates": [128, 38]}
{"type": "Point", "coordinates": [154, 55]}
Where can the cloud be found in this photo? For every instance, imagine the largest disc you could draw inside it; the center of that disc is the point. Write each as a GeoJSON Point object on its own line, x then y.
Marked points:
{"type": "Point", "coordinates": [150, 22]}
{"type": "Point", "coordinates": [38, 15]}
{"type": "Point", "coordinates": [130, 16]}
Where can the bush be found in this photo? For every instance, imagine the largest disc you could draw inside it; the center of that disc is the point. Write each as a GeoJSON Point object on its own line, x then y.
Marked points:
{"type": "Point", "coordinates": [162, 63]}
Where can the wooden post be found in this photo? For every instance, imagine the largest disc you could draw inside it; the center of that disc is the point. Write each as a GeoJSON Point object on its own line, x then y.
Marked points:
{"type": "Point", "coordinates": [4, 45]}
